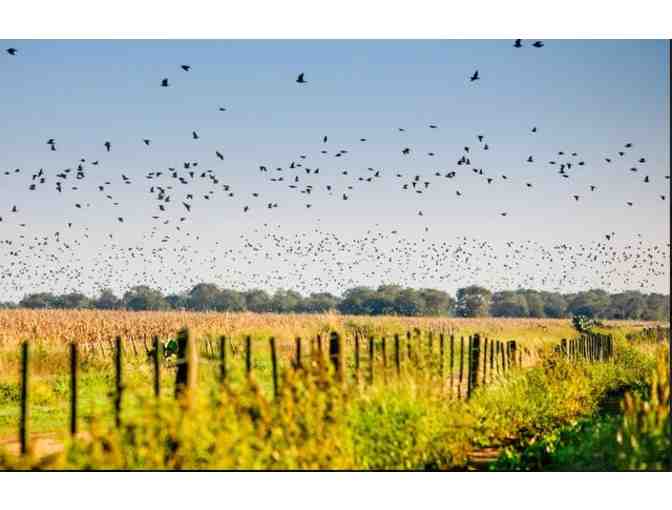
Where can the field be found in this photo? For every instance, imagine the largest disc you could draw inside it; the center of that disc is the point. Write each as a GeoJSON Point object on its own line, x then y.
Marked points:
{"type": "Point", "coordinates": [404, 408]}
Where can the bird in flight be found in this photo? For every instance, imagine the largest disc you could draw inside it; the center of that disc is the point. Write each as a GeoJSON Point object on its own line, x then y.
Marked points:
{"type": "Point", "coordinates": [108, 145]}
{"type": "Point", "coordinates": [538, 44]}
{"type": "Point", "coordinates": [475, 76]}
{"type": "Point", "coordinates": [300, 79]}
{"type": "Point", "coordinates": [164, 82]}
{"type": "Point", "coordinates": [11, 51]}
{"type": "Point", "coordinates": [517, 44]}
{"type": "Point", "coordinates": [185, 67]}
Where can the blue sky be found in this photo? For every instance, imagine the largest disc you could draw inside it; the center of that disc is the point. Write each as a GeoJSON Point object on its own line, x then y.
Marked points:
{"type": "Point", "coordinates": [589, 97]}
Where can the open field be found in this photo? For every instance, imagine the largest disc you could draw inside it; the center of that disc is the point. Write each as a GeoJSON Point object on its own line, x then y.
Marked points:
{"type": "Point", "coordinates": [414, 417]}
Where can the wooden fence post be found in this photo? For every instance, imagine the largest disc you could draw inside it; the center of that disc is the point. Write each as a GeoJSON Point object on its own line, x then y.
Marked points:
{"type": "Point", "coordinates": [452, 363]}
{"type": "Point", "coordinates": [119, 388]}
{"type": "Point", "coordinates": [156, 358]}
{"type": "Point", "coordinates": [187, 359]}
{"type": "Point", "coordinates": [248, 356]}
{"type": "Point", "coordinates": [474, 363]}
{"type": "Point", "coordinates": [73, 389]}
{"type": "Point", "coordinates": [501, 350]}
{"type": "Point", "coordinates": [408, 347]}
{"type": "Point", "coordinates": [492, 358]}
{"type": "Point", "coordinates": [23, 419]}
{"type": "Point", "coordinates": [512, 354]}
{"type": "Point", "coordinates": [397, 354]}
{"type": "Point", "coordinates": [335, 354]}
{"type": "Point", "coordinates": [297, 359]}
{"type": "Point", "coordinates": [274, 365]}
{"type": "Point", "coordinates": [485, 360]}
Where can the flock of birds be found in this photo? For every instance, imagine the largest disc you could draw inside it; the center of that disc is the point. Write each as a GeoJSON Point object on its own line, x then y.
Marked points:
{"type": "Point", "coordinates": [52, 261]}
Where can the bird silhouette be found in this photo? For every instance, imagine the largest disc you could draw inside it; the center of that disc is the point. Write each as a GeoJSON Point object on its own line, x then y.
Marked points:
{"type": "Point", "coordinates": [12, 51]}
{"type": "Point", "coordinates": [164, 82]}
{"type": "Point", "coordinates": [538, 44]}
{"type": "Point", "coordinates": [474, 76]}
{"type": "Point", "coordinates": [300, 79]}
{"type": "Point", "coordinates": [186, 67]}
{"type": "Point", "coordinates": [517, 44]}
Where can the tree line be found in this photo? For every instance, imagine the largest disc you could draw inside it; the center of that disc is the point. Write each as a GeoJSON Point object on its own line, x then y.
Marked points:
{"type": "Point", "coordinates": [472, 301]}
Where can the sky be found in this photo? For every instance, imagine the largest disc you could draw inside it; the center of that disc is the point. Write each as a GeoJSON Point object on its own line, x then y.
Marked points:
{"type": "Point", "coordinates": [589, 97]}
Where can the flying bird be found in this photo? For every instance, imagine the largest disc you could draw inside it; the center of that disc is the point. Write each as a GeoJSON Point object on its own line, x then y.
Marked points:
{"type": "Point", "coordinates": [474, 76]}
{"type": "Point", "coordinates": [164, 82]}
{"type": "Point", "coordinates": [538, 44]}
{"type": "Point", "coordinates": [517, 44]}
{"type": "Point", "coordinates": [185, 67]}
{"type": "Point", "coordinates": [11, 51]}
{"type": "Point", "coordinates": [300, 79]}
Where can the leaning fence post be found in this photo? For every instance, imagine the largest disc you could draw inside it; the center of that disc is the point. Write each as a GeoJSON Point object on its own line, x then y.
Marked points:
{"type": "Point", "coordinates": [335, 354]}
{"type": "Point", "coordinates": [119, 388]}
{"type": "Point", "coordinates": [73, 388]}
{"type": "Point", "coordinates": [274, 365]}
{"type": "Point", "coordinates": [23, 421]}
{"type": "Point", "coordinates": [357, 358]}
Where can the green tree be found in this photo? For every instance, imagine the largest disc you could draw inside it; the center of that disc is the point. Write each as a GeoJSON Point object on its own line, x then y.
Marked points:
{"type": "Point", "coordinates": [204, 296]}
{"type": "Point", "coordinates": [107, 300]}
{"type": "Point", "coordinates": [230, 300]}
{"type": "Point", "coordinates": [257, 300]}
{"type": "Point", "coordinates": [73, 300]}
{"type": "Point", "coordinates": [473, 301]}
{"type": "Point", "coordinates": [509, 304]}
{"type": "Point", "coordinates": [437, 302]}
{"type": "Point", "coordinates": [141, 297]}
{"type": "Point", "coordinates": [39, 300]}
{"type": "Point", "coordinates": [555, 305]}
{"type": "Point", "coordinates": [319, 303]}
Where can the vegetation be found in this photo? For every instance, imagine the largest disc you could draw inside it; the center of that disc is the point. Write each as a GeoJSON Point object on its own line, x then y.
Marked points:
{"type": "Point", "coordinates": [636, 437]}
{"type": "Point", "coordinates": [472, 301]}
{"type": "Point", "coordinates": [316, 421]}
